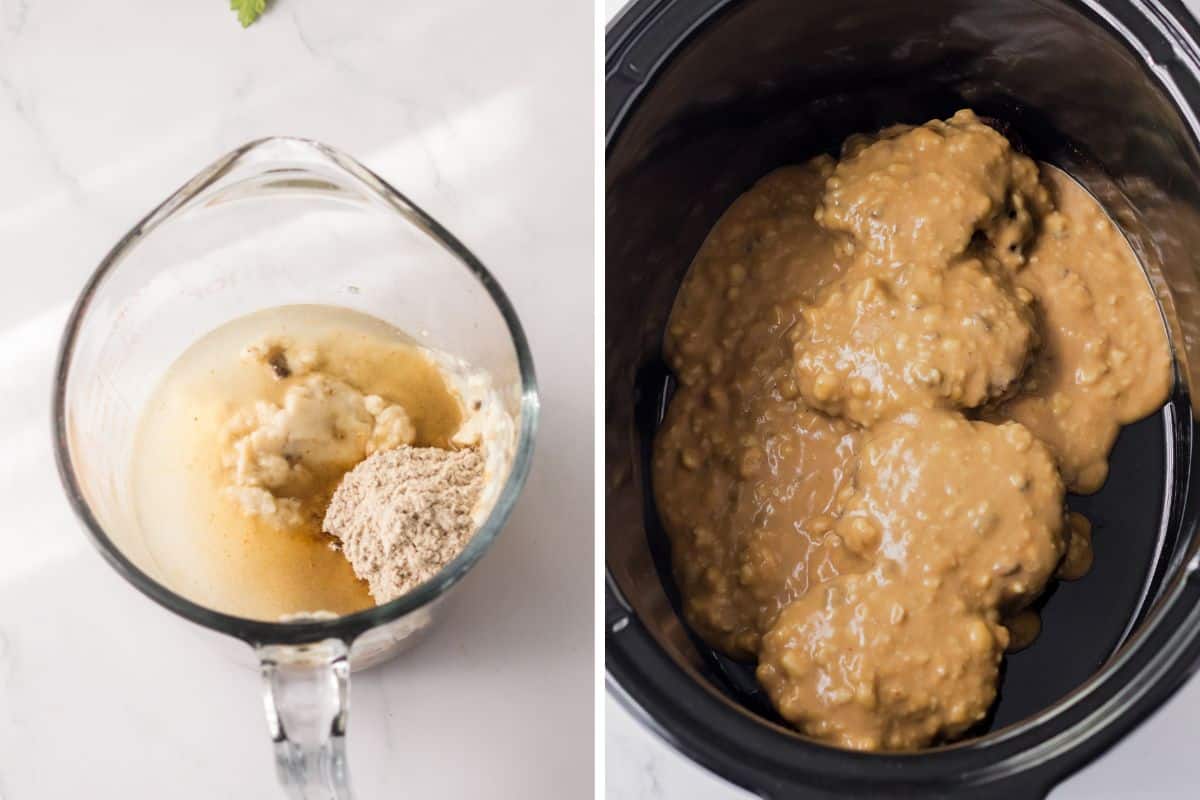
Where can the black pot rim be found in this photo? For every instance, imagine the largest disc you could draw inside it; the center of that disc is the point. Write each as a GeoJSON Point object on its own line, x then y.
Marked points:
{"type": "Point", "coordinates": [1025, 759]}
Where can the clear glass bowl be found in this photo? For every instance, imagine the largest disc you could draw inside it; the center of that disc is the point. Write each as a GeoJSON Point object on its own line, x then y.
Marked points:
{"type": "Point", "coordinates": [276, 222]}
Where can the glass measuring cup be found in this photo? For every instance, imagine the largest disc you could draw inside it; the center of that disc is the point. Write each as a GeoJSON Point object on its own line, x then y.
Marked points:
{"type": "Point", "coordinates": [279, 221]}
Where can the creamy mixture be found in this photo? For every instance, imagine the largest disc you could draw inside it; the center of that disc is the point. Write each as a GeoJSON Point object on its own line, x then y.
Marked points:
{"type": "Point", "coordinates": [250, 432]}
{"type": "Point", "coordinates": [281, 459]}
{"type": "Point", "coordinates": [890, 368]}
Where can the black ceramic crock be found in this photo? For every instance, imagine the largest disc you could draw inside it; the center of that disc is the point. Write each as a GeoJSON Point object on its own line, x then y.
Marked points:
{"type": "Point", "coordinates": [703, 97]}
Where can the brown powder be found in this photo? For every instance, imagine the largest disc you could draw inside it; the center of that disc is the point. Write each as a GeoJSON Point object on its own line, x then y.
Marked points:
{"type": "Point", "coordinates": [403, 514]}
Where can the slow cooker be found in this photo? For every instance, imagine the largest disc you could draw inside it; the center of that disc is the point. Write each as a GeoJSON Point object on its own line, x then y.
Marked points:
{"type": "Point", "coordinates": [703, 97]}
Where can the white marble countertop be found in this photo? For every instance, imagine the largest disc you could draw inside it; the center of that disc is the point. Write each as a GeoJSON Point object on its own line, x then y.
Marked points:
{"type": "Point", "coordinates": [482, 112]}
{"type": "Point", "coordinates": [1156, 761]}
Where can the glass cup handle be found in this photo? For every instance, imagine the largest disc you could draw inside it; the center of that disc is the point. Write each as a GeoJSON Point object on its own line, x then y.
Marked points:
{"type": "Point", "coordinates": [306, 694]}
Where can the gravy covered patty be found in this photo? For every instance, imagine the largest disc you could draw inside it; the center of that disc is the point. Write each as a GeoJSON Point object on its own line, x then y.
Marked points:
{"type": "Point", "coordinates": [961, 522]}
{"type": "Point", "coordinates": [890, 368]}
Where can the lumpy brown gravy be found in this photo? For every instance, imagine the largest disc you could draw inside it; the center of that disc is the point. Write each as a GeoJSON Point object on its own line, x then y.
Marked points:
{"type": "Point", "coordinates": [890, 369]}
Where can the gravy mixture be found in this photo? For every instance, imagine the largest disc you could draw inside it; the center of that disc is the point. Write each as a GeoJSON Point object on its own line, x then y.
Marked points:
{"type": "Point", "coordinates": [248, 436]}
{"type": "Point", "coordinates": [890, 369]}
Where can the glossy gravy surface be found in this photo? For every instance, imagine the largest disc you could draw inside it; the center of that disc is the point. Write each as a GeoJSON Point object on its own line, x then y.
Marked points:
{"type": "Point", "coordinates": [890, 369]}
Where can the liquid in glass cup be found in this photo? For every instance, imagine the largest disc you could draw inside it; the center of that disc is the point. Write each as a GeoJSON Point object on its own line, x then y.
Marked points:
{"type": "Point", "coordinates": [277, 223]}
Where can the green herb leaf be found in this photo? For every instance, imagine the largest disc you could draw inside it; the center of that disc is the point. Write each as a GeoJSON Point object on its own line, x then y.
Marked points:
{"type": "Point", "coordinates": [247, 10]}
